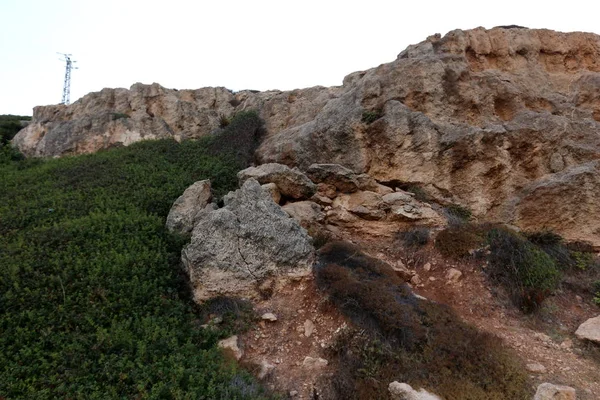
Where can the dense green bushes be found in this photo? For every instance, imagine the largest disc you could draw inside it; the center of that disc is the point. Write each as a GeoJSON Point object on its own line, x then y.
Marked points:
{"type": "Point", "coordinates": [92, 305]}
{"type": "Point", "coordinates": [400, 337]}
{"type": "Point", "coordinates": [526, 271]}
{"type": "Point", "coordinates": [9, 126]}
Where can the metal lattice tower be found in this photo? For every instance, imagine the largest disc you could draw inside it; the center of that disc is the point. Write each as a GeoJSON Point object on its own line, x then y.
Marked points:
{"type": "Point", "coordinates": [66, 97]}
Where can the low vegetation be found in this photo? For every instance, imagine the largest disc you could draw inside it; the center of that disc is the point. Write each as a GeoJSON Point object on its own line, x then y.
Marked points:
{"type": "Point", "coordinates": [93, 305]}
{"type": "Point", "coordinates": [9, 126]}
{"type": "Point", "coordinates": [529, 266]}
{"type": "Point", "coordinates": [400, 337]}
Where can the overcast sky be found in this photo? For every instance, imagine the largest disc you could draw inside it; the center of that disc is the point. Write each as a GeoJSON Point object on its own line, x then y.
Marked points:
{"type": "Point", "coordinates": [251, 44]}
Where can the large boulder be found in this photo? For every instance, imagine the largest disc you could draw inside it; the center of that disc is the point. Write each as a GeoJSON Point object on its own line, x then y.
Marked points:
{"type": "Point", "coordinates": [248, 247]}
{"type": "Point", "coordinates": [291, 182]}
{"type": "Point", "coordinates": [363, 204]}
{"type": "Point", "coordinates": [549, 391]}
{"type": "Point", "coordinates": [589, 330]}
{"type": "Point", "coordinates": [182, 216]}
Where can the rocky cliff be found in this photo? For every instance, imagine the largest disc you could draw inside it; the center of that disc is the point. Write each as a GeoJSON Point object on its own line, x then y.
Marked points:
{"type": "Point", "coordinates": [504, 121]}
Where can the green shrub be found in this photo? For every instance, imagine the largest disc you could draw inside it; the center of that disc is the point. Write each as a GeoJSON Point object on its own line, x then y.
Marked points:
{"type": "Point", "coordinates": [93, 303]}
{"type": "Point", "coordinates": [234, 315]}
{"type": "Point", "coordinates": [460, 240]}
{"type": "Point", "coordinates": [116, 116]}
{"type": "Point", "coordinates": [239, 138]}
{"type": "Point", "coordinates": [527, 272]}
{"type": "Point", "coordinates": [9, 126]}
{"type": "Point", "coordinates": [368, 117]}
{"type": "Point", "coordinates": [415, 237]}
{"type": "Point", "coordinates": [400, 337]}
{"type": "Point", "coordinates": [458, 214]}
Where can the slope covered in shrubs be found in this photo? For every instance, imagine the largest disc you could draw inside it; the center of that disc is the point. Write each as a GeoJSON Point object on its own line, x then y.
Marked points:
{"type": "Point", "coordinates": [401, 337]}
{"type": "Point", "coordinates": [91, 302]}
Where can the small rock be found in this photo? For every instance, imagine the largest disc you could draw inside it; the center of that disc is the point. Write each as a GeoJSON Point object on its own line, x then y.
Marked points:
{"type": "Point", "coordinates": [415, 280]}
{"type": "Point", "coordinates": [549, 391]}
{"type": "Point", "coordinates": [309, 328]}
{"type": "Point", "coordinates": [403, 391]}
{"type": "Point", "coordinates": [432, 278]}
{"type": "Point", "coordinates": [427, 267]}
{"type": "Point", "coordinates": [311, 362]}
{"type": "Point", "coordinates": [536, 368]}
{"type": "Point", "coordinates": [578, 298]}
{"type": "Point", "coordinates": [265, 369]}
{"type": "Point", "coordinates": [567, 344]}
{"type": "Point", "coordinates": [453, 275]}
{"type": "Point", "coordinates": [231, 344]}
{"type": "Point", "coordinates": [293, 393]}
{"type": "Point", "coordinates": [269, 317]}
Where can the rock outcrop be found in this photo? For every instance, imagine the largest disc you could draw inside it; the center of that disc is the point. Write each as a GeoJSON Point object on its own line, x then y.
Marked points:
{"type": "Point", "coordinates": [503, 121]}
{"type": "Point", "coordinates": [247, 248]}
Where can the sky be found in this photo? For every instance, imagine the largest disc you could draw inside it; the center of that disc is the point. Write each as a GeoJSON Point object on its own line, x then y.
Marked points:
{"type": "Point", "coordinates": [251, 44]}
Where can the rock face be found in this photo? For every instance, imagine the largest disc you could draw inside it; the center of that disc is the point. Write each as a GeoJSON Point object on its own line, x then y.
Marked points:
{"type": "Point", "coordinates": [549, 391]}
{"type": "Point", "coordinates": [589, 330]}
{"type": "Point", "coordinates": [504, 121]}
{"type": "Point", "coordinates": [182, 216]}
{"type": "Point", "coordinates": [119, 117]}
{"type": "Point", "coordinates": [248, 246]}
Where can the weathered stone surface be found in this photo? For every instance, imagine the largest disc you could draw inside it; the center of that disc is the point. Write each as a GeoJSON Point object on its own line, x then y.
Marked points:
{"type": "Point", "coordinates": [364, 204]}
{"type": "Point", "coordinates": [269, 317]}
{"type": "Point", "coordinates": [273, 191]}
{"type": "Point", "coordinates": [249, 241]}
{"type": "Point", "coordinates": [291, 182]}
{"type": "Point", "coordinates": [536, 368]}
{"type": "Point", "coordinates": [549, 391]}
{"type": "Point", "coordinates": [119, 117]}
{"type": "Point", "coordinates": [589, 330]}
{"type": "Point", "coordinates": [478, 116]}
{"type": "Point", "coordinates": [342, 178]}
{"type": "Point", "coordinates": [403, 391]}
{"type": "Point", "coordinates": [182, 215]}
{"type": "Point", "coordinates": [305, 212]}
{"type": "Point", "coordinates": [486, 118]}
{"type": "Point", "coordinates": [231, 344]}
{"type": "Point", "coordinates": [314, 363]}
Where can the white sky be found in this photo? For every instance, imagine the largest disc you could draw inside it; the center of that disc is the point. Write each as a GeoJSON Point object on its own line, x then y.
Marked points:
{"type": "Point", "coordinates": [252, 44]}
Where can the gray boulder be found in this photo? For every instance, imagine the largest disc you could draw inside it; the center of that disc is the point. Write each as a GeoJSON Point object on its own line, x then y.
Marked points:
{"type": "Point", "coordinates": [291, 182]}
{"type": "Point", "coordinates": [183, 213]}
{"type": "Point", "coordinates": [248, 245]}
{"type": "Point", "coordinates": [549, 391]}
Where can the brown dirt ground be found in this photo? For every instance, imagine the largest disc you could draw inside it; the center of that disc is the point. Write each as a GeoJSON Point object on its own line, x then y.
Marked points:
{"type": "Point", "coordinates": [546, 337]}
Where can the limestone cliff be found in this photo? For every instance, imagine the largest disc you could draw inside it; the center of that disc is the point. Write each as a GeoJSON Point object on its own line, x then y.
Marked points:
{"type": "Point", "coordinates": [504, 121]}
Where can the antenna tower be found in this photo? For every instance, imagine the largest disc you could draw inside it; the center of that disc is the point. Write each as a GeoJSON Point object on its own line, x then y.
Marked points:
{"type": "Point", "coordinates": [66, 97]}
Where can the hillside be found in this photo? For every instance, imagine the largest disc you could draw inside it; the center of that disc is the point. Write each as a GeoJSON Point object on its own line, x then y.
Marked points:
{"type": "Point", "coordinates": [94, 305]}
{"type": "Point", "coordinates": [428, 230]}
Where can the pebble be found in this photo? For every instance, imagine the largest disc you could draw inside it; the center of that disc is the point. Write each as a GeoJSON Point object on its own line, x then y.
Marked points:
{"type": "Point", "coordinates": [269, 317]}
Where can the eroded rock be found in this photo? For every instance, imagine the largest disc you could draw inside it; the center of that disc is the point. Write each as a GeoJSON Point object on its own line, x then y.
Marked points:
{"type": "Point", "coordinates": [549, 391]}
{"type": "Point", "coordinates": [249, 242]}
{"type": "Point", "coordinates": [589, 330]}
{"type": "Point", "coordinates": [291, 182]}
{"type": "Point", "coordinates": [182, 216]}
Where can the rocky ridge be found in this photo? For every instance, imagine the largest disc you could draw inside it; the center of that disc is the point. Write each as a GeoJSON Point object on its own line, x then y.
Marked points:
{"type": "Point", "coordinates": [504, 121]}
